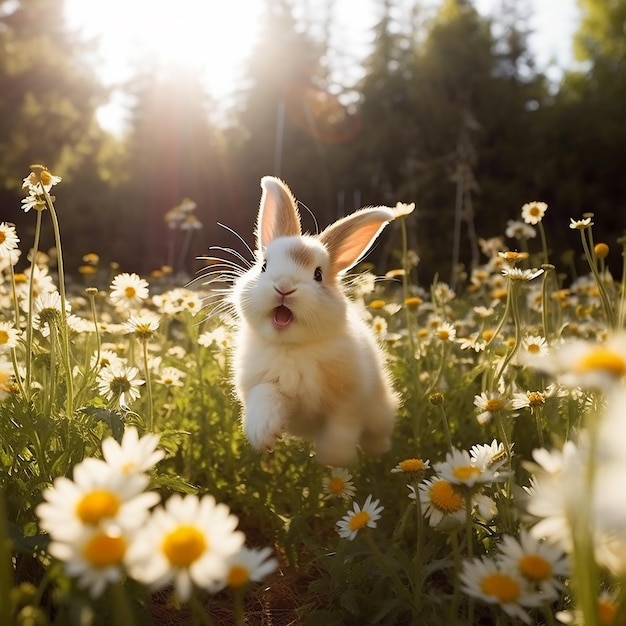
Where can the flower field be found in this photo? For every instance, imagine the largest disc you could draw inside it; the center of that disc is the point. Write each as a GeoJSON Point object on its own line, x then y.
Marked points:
{"type": "Point", "coordinates": [130, 494]}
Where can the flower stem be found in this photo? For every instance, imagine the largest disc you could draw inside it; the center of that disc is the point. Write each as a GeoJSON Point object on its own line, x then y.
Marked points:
{"type": "Point", "coordinates": [31, 304]}
{"type": "Point", "coordinates": [148, 387]}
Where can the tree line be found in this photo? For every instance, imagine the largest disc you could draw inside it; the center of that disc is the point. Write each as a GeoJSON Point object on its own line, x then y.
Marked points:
{"type": "Point", "coordinates": [449, 112]}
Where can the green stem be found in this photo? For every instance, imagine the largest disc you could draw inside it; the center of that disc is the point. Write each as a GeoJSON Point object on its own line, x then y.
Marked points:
{"type": "Point", "coordinates": [65, 340]}
{"type": "Point", "coordinates": [122, 609]}
{"type": "Point", "coordinates": [545, 301]}
{"type": "Point", "coordinates": [31, 295]}
{"type": "Point", "coordinates": [240, 616]}
{"type": "Point", "coordinates": [513, 298]}
{"type": "Point", "coordinates": [446, 428]}
{"type": "Point", "coordinates": [453, 615]}
{"type": "Point", "coordinates": [469, 524]}
{"type": "Point", "coordinates": [200, 617]}
{"type": "Point", "coordinates": [544, 243]}
{"type": "Point", "coordinates": [148, 386]}
{"type": "Point", "coordinates": [52, 383]}
{"type": "Point", "coordinates": [606, 306]}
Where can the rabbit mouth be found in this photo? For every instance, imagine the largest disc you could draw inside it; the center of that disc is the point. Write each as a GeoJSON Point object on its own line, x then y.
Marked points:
{"type": "Point", "coordinates": [282, 316]}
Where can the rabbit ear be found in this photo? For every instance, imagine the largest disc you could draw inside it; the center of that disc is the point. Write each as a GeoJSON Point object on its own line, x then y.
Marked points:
{"type": "Point", "coordinates": [348, 239]}
{"type": "Point", "coordinates": [278, 215]}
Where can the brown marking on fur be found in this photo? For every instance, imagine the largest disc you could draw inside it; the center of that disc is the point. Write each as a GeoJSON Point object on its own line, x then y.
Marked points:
{"type": "Point", "coordinates": [302, 255]}
{"type": "Point", "coordinates": [338, 380]}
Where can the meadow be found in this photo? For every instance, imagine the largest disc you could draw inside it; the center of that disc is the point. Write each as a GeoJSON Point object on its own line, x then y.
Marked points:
{"type": "Point", "coordinates": [131, 496]}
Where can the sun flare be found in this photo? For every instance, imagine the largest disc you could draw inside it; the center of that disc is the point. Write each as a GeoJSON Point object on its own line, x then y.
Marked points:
{"type": "Point", "coordinates": [210, 37]}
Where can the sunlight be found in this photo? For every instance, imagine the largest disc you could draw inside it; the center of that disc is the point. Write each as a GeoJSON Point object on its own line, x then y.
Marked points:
{"type": "Point", "coordinates": [210, 37]}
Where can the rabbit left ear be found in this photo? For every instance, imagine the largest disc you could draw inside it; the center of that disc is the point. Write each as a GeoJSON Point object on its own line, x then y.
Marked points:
{"type": "Point", "coordinates": [348, 239]}
{"type": "Point", "coordinates": [278, 213]}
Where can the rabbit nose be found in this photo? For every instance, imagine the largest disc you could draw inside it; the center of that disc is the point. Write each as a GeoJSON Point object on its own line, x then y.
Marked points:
{"type": "Point", "coordinates": [284, 286]}
{"type": "Point", "coordinates": [284, 291]}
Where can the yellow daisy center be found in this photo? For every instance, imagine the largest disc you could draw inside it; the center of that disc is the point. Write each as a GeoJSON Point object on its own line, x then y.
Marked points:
{"type": "Point", "coordinates": [4, 337]}
{"type": "Point", "coordinates": [535, 567]}
{"type": "Point", "coordinates": [411, 465]}
{"type": "Point", "coordinates": [359, 520]}
{"type": "Point", "coordinates": [377, 304]}
{"type": "Point", "coordinates": [536, 399]}
{"type": "Point", "coordinates": [533, 348]}
{"type": "Point", "coordinates": [601, 358]}
{"type": "Point", "coordinates": [534, 210]}
{"type": "Point", "coordinates": [500, 586]}
{"type": "Point", "coordinates": [183, 545]}
{"type": "Point", "coordinates": [45, 177]}
{"type": "Point", "coordinates": [445, 498]}
{"type": "Point", "coordinates": [103, 550]}
{"type": "Point", "coordinates": [493, 404]}
{"type": "Point", "coordinates": [3, 237]}
{"type": "Point", "coordinates": [412, 302]}
{"type": "Point", "coordinates": [487, 335]}
{"type": "Point", "coordinates": [97, 505]}
{"type": "Point", "coordinates": [443, 334]}
{"type": "Point", "coordinates": [464, 472]}
{"type": "Point", "coordinates": [130, 291]}
{"type": "Point", "coordinates": [336, 485]}
{"type": "Point", "coordinates": [238, 576]}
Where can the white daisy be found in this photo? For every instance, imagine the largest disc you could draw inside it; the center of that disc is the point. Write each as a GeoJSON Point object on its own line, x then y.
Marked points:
{"type": "Point", "coordinates": [170, 376]}
{"type": "Point", "coordinates": [490, 403]}
{"type": "Point", "coordinates": [498, 583]}
{"type": "Point", "coordinates": [188, 541]}
{"type": "Point", "coordinates": [128, 289]}
{"type": "Point", "coordinates": [533, 212]}
{"type": "Point", "coordinates": [461, 469]}
{"type": "Point", "coordinates": [248, 565]}
{"type": "Point", "coordinates": [8, 239]}
{"type": "Point", "coordinates": [134, 454]}
{"type": "Point", "coordinates": [119, 383]}
{"type": "Point", "coordinates": [441, 503]}
{"type": "Point", "coordinates": [9, 336]}
{"type": "Point", "coordinates": [338, 484]}
{"type": "Point", "coordinates": [356, 520]}
{"type": "Point", "coordinates": [95, 556]}
{"type": "Point", "coordinates": [539, 562]}
{"type": "Point", "coordinates": [98, 496]}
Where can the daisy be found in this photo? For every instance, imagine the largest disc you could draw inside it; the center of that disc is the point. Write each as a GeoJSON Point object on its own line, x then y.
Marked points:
{"type": "Point", "coordinates": [586, 364]}
{"type": "Point", "coordinates": [248, 565]}
{"type": "Point", "coordinates": [128, 289]}
{"type": "Point", "coordinates": [461, 469]}
{"type": "Point", "coordinates": [349, 526]}
{"type": "Point", "coordinates": [187, 542]}
{"type": "Point", "coordinates": [519, 230]}
{"type": "Point", "coordinates": [106, 358]}
{"type": "Point", "coordinates": [441, 503]}
{"type": "Point", "coordinates": [580, 224]}
{"type": "Point", "coordinates": [515, 273]}
{"type": "Point", "coordinates": [144, 325]}
{"type": "Point", "coordinates": [379, 326]}
{"type": "Point", "coordinates": [491, 403]}
{"type": "Point", "coordinates": [411, 466]}
{"type": "Point", "coordinates": [9, 336]}
{"type": "Point", "coordinates": [170, 377]}
{"type": "Point", "coordinates": [445, 332]}
{"type": "Point", "coordinates": [534, 344]}
{"type": "Point", "coordinates": [339, 484]}
{"type": "Point", "coordinates": [119, 383]}
{"type": "Point", "coordinates": [497, 583]}
{"type": "Point", "coordinates": [492, 455]}
{"type": "Point", "coordinates": [34, 183]}
{"type": "Point", "coordinates": [8, 239]}
{"type": "Point", "coordinates": [539, 562]}
{"type": "Point", "coordinates": [528, 400]}
{"type": "Point", "coordinates": [133, 454]}
{"type": "Point", "coordinates": [95, 556]}
{"type": "Point", "coordinates": [533, 212]}
{"type": "Point", "coordinates": [99, 496]}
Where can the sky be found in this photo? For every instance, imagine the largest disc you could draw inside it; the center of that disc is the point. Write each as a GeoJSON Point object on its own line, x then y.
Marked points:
{"type": "Point", "coordinates": [214, 36]}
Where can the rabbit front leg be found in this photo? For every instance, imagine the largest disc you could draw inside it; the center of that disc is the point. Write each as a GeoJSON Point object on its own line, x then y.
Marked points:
{"type": "Point", "coordinates": [265, 414]}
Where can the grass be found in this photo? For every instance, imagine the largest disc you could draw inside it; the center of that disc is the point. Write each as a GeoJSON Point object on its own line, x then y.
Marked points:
{"type": "Point", "coordinates": [510, 362]}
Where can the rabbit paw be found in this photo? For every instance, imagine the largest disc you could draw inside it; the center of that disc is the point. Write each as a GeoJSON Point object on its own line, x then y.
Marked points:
{"type": "Point", "coordinates": [264, 421]}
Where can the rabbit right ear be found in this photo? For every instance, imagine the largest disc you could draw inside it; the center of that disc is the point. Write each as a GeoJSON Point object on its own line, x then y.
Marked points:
{"type": "Point", "coordinates": [278, 213]}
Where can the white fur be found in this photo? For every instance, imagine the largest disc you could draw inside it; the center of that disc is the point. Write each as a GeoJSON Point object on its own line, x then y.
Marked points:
{"type": "Point", "coordinates": [322, 377]}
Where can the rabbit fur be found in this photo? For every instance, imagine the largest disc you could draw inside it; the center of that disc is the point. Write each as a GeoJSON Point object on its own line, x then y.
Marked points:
{"type": "Point", "coordinates": [305, 362]}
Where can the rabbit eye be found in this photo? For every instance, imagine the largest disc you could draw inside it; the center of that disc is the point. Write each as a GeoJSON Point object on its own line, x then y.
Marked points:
{"type": "Point", "coordinates": [318, 274]}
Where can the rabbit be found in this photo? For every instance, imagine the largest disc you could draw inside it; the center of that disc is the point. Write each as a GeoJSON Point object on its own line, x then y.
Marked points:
{"type": "Point", "coordinates": [305, 363]}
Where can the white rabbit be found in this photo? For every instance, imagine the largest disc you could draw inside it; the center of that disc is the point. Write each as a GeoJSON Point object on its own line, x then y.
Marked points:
{"type": "Point", "coordinates": [305, 363]}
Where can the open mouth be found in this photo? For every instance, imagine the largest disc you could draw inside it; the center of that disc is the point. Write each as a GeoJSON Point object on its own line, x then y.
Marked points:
{"type": "Point", "coordinates": [282, 316]}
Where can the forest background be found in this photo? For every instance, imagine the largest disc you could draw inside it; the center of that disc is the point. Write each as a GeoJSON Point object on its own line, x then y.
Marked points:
{"type": "Point", "coordinates": [449, 111]}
